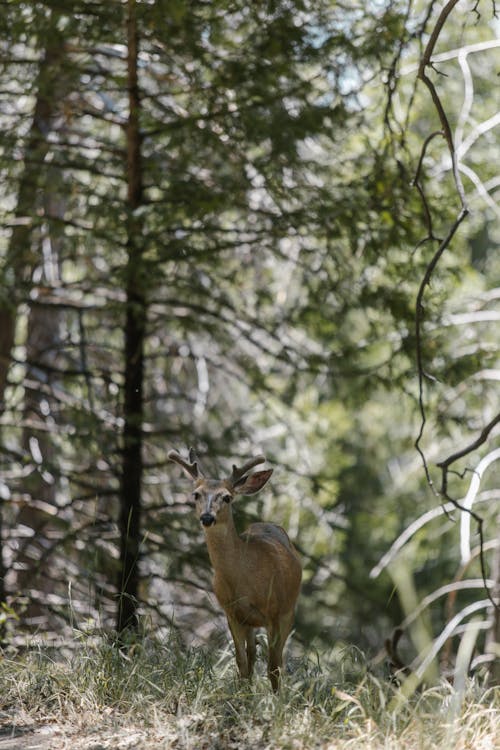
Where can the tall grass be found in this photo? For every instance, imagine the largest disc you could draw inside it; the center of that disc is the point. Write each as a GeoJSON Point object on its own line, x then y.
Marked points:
{"type": "Point", "coordinates": [159, 694]}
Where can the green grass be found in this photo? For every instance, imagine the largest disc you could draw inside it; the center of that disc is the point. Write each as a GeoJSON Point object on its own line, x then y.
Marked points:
{"type": "Point", "coordinates": [161, 695]}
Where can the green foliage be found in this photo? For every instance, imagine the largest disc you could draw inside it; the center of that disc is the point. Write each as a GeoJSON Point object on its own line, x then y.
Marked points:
{"type": "Point", "coordinates": [282, 246]}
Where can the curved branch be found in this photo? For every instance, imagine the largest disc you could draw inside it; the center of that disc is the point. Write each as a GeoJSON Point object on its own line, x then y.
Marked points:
{"type": "Point", "coordinates": [444, 465]}
{"type": "Point", "coordinates": [419, 306]}
{"type": "Point", "coordinates": [416, 525]}
{"type": "Point", "coordinates": [422, 75]}
{"type": "Point", "coordinates": [419, 314]}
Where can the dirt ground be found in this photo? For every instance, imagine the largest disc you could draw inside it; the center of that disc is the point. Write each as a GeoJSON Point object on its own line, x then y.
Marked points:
{"type": "Point", "coordinates": [66, 737]}
{"type": "Point", "coordinates": [26, 738]}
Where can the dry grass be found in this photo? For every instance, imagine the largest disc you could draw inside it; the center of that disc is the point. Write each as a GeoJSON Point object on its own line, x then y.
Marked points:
{"type": "Point", "coordinates": [160, 695]}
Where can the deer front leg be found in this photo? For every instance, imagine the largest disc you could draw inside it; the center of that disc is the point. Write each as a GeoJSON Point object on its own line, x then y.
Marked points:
{"type": "Point", "coordinates": [251, 649]}
{"type": "Point", "coordinates": [239, 633]}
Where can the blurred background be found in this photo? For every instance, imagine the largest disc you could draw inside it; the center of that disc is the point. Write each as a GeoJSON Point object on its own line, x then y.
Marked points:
{"type": "Point", "coordinates": [216, 220]}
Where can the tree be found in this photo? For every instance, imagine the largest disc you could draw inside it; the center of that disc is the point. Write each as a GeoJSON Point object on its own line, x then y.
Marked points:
{"type": "Point", "coordinates": [23, 256]}
{"type": "Point", "coordinates": [222, 153]}
{"type": "Point", "coordinates": [240, 258]}
{"type": "Point", "coordinates": [135, 333]}
{"type": "Point", "coordinates": [445, 408]}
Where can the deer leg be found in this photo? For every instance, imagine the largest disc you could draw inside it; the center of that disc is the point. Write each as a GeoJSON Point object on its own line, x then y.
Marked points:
{"type": "Point", "coordinates": [239, 633]}
{"type": "Point", "coordinates": [277, 633]}
{"type": "Point", "coordinates": [251, 649]}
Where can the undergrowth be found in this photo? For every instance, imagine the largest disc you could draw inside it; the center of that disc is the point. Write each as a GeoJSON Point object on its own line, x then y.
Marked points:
{"type": "Point", "coordinates": [163, 695]}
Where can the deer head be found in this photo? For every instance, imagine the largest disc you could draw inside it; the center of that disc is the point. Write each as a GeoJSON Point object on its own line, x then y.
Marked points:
{"type": "Point", "coordinates": [213, 497]}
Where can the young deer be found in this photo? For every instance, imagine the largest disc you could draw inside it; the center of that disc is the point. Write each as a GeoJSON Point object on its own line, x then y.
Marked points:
{"type": "Point", "coordinates": [257, 574]}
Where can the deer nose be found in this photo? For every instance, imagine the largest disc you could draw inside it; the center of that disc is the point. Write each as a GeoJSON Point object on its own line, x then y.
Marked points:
{"type": "Point", "coordinates": [207, 519]}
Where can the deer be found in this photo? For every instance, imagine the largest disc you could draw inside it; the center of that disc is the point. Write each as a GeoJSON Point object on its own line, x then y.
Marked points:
{"type": "Point", "coordinates": [257, 574]}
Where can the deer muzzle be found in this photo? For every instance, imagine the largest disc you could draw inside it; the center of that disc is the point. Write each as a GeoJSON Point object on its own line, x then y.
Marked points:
{"type": "Point", "coordinates": [207, 519]}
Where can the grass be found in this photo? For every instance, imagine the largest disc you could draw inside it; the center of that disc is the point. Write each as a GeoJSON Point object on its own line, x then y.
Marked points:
{"type": "Point", "coordinates": [161, 695]}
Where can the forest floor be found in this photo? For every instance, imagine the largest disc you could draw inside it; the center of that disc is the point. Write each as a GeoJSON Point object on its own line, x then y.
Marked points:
{"type": "Point", "coordinates": [101, 736]}
{"type": "Point", "coordinates": [162, 696]}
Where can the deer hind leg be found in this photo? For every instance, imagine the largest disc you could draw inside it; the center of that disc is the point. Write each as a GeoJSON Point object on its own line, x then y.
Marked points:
{"type": "Point", "coordinates": [277, 633]}
{"type": "Point", "coordinates": [239, 633]}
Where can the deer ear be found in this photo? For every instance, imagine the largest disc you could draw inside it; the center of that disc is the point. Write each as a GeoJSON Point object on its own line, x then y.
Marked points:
{"type": "Point", "coordinates": [253, 483]}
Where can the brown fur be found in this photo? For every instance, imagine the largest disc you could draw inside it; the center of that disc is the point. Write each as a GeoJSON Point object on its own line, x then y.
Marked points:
{"type": "Point", "coordinates": [257, 578]}
{"type": "Point", "coordinates": [257, 574]}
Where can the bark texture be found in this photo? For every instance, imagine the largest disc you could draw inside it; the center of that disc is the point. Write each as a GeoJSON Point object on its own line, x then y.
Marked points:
{"type": "Point", "coordinates": [135, 324]}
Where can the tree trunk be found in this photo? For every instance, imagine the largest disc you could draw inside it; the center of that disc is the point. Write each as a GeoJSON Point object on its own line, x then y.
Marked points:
{"type": "Point", "coordinates": [130, 500]}
{"type": "Point", "coordinates": [42, 352]}
{"type": "Point", "coordinates": [21, 258]}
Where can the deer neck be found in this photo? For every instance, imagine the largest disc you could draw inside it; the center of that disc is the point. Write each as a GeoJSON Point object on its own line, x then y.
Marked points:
{"type": "Point", "coordinates": [223, 544]}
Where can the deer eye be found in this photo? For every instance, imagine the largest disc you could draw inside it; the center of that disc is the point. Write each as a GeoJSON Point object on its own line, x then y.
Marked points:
{"type": "Point", "coordinates": [196, 496]}
{"type": "Point", "coordinates": [227, 498]}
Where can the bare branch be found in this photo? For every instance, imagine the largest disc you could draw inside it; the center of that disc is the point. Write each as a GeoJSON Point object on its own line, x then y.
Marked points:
{"type": "Point", "coordinates": [419, 315]}
{"type": "Point", "coordinates": [483, 436]}
{"type": "Point", "coordinates": [425, 62]}
{"type": "Point", "coordinates": [422, 74]}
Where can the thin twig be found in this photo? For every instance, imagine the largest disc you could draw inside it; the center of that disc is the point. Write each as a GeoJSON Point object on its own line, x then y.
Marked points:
{"type": "Point", "coordinates": [419, 313]}
{"type": "Point", "coordinates": [483, 436]}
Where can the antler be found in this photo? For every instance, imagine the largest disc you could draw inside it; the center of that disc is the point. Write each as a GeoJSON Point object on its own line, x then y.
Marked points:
{"type": "Point", "coordinates": [239, 473]}
{"type": "Point", "coordinates": [193, 468]}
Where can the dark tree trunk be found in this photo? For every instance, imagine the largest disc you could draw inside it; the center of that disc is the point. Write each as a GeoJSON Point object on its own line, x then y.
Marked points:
{"type": "Point", "coordinates": [21, 258]}
{"type": "Point", "coordinates": [42, 354]}
{"type": "Point", "coordinates": [130, 500]}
